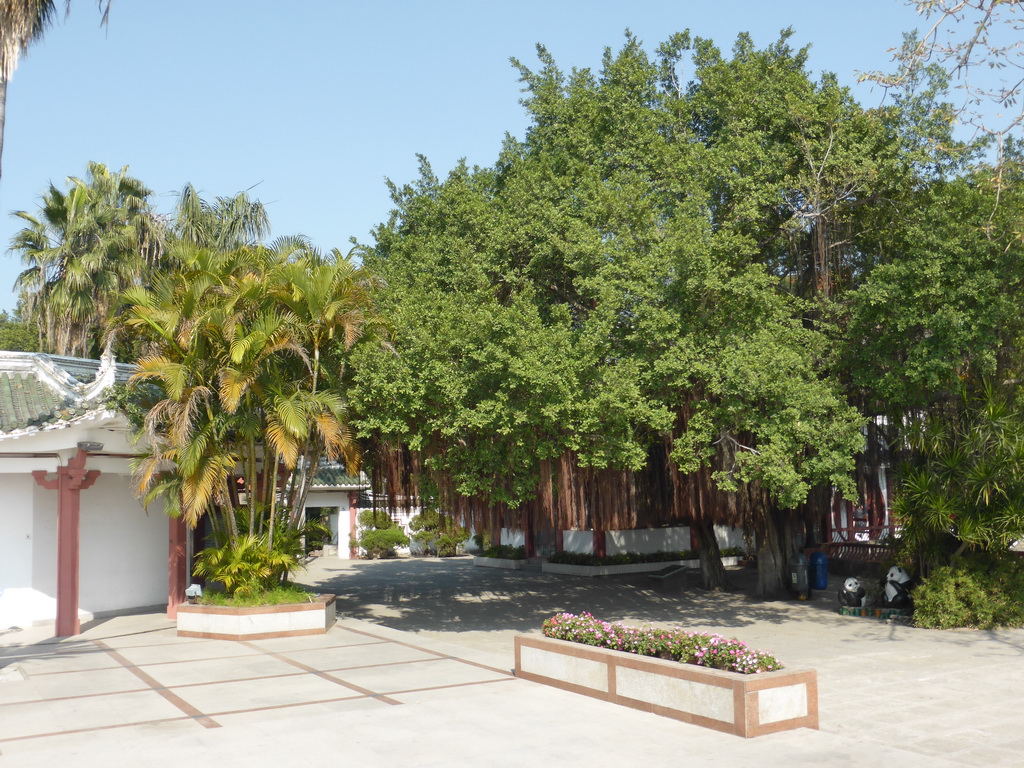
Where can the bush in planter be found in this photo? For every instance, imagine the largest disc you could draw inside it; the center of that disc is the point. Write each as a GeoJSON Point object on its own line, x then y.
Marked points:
{"type": "Point", "coordinates": [505, 552]}
{"type": "Point", "coordinates": [379, 535]}
{"type": "Point", "coordinates": [248, 565]}
{"type": "Point", "coordinates": [699, 648]}
{"type": "Point", "coordinates": [623, 558]}
{"type": "Point", "coordinates": [979, 591]}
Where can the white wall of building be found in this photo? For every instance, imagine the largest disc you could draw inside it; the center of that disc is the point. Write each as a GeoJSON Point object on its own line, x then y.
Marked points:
{"type": "Point", "coordinates": [123, 555]}
{"type": "Point", "coordinates": [337, 517]}
{"type": "Point", "coordinates": [16, 531]}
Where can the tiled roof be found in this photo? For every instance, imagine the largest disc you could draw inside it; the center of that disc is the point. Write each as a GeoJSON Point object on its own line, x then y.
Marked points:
{"type": "Point", "coordinates": [43, 392]}
{"type": "Point", "coordinates": [26, 402]}
{"type": "Point", "coordinates": [85, 370]}
{"type": "Point", "coordinates": [333, 476]}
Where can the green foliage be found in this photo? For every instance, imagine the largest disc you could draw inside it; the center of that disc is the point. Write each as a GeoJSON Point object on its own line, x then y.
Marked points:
{"type": "Point", "coordinates": [83, 247]}
{"type": "Point", "coordinates": [505, 552]}
{"type": "Point", "coordinates": [280, 595]}
{"type": "Point", "coordinates": [317, 529]}
{"type": "Point", "coordinates": [437, 534]}
{"type": "Point", "coordinates": [17, 336]}
{"type": "Point", "coordinates": [964, 487]}
{"type": "Point", "coordinates": [981, 592]}
{"type": "Point", "coordinates": [247, 566]}
{"type": "Point", "coordinates": [733, 552]}
{"type": "Point", "coordinates": [379, 535]}
{"type": "Point", "coordinates": [246, 379]}
{"type": "Point", "coordinates": [618, 268]}
{"type": "Point", "coordinates": [621, 558]}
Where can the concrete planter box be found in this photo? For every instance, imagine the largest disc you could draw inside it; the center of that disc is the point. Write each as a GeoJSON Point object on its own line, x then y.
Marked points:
{"type": "Point", "coordinates": [615, 570]}
{"type": "Point", "coordinates": [744, 705]}
{"type": "Point", "coordinates": [221, 622]}
{"type": "Point", "coordinates": [498, 562]}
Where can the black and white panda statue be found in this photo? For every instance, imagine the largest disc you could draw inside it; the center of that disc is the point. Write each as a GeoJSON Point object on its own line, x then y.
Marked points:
{"type": "Point", "coordinates": [896, 588]}
{"type": "Point", "coordinates": [853, 594]}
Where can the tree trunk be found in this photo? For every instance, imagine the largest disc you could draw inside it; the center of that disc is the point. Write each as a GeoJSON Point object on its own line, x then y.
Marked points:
{"type": "Point", "coordinates": [772, 554]}
{"type": "Point", "coordinates": [711, 569]}
{"type": "Point", "coordinates": [3, 113]}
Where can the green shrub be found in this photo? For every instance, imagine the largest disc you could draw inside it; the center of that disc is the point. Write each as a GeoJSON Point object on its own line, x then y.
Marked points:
{"type": "Point", "coordinates": [506, 552]}
{"type": "Point", "coordinates": [379, 535]}
{"type": "Point", "coordinates": [287, 593]}
{"type": "Point", "coordinates": [623, 558]}
{"type": "Point", "coordinates": [437, 534]}
{"type": "Point", "coordinates": [979, 591]}
{"type": "Point", "coordinates": [247, 566]}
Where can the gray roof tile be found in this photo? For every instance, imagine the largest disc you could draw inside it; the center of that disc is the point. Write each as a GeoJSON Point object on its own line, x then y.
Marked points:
{"type": "Point", "coordinates": [27, 402]}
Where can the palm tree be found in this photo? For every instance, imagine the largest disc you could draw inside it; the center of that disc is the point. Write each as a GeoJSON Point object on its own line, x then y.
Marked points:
{"type": "Point", "coordinates": [249, 351]}
{"type": "Point", "coordinates": [81, 250]}
{"type": "Point", "coordinates": [226, 223]}
{"type": "Point", "coordinates": [22, 22]}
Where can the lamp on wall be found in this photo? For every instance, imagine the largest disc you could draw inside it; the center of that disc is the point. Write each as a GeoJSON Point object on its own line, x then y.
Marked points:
{"type": "Point", "coordinates": [90, 447]}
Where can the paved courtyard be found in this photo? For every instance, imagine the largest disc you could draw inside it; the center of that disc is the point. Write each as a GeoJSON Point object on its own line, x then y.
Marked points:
{"type": "Point", "coordinates": [416, 673]}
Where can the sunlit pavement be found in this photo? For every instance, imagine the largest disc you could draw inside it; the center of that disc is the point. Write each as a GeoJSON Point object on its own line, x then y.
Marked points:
{"type": "Point", "coordinates": [417, 673]}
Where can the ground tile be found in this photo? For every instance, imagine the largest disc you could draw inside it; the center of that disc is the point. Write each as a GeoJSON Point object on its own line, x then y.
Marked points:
{"type": "Point", "coordinates": [218, 670]}
{"type": "Point", "coordinates": [409, 677]}
{"type": "Point", "coordinates": [242, 695]}
{"type": "Point", "coordinates": [204, 649]}
{"type": "Point", "coordinates": [358, 656]}
{"type": "Point", "coordinates": [68, 684]}
{"type": "Point", "coordinates": [143, 639]}
{"type": "Point", "coordinates": [72, 661]}
{"type": "Point", "coordinates": [336, 638]}
{"type": "Point", "coordinates": [308, 714]}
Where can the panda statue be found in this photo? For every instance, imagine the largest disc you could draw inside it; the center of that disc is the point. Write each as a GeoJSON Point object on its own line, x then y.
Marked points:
{"type": "Point", "coordinates": [896, 588]}
{"type": "Point", "coordinates": [853, 594]}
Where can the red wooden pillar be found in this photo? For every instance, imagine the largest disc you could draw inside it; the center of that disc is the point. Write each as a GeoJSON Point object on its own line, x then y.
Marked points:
{"type": "Point", "coordinates": [176, 558]}
{"type": "Point", "coordinates": [69, 482]}
{"type": "Point", "coordinates": [353, 510]}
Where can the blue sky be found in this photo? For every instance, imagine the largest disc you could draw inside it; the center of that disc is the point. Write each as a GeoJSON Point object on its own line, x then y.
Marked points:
{"type": "Point", "coordinates": [313, 103]}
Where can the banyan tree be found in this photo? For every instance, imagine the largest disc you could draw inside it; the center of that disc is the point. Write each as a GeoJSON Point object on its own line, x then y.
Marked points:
{"type": "Point", "coordinates": [640, 314]}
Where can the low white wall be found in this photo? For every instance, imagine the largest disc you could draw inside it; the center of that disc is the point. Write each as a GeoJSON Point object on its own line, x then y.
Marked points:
{"type": "Point", "coordinates": [728, 536]}
{"type": "Point", "coordinates": [578, 541]}
{"type": "Point", "coordinates": [648, 540]}
{"type": "Point", "coordinates": [512, 538]}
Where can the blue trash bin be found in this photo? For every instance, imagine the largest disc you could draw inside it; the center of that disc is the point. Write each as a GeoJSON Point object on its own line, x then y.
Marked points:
{"type": "Point", "coordinates": [819, 570]}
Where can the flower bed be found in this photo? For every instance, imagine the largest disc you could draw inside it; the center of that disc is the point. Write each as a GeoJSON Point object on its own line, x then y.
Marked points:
{"type": "Point", "coordinates": [703, 693]}
{"type": "Point", "coordinates": [222, 622]}
{"type": "Point", "coordinates": [698, 648]}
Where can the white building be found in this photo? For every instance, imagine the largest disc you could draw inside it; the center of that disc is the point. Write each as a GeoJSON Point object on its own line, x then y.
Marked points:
{"type": "Point", "coordinates": [74, 541]}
